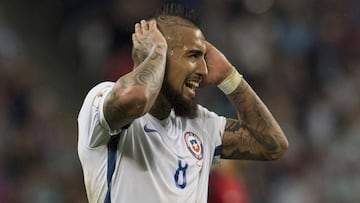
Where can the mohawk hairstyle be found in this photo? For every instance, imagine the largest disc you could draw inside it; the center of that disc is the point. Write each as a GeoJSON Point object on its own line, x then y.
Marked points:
{"type": "Point", "coordinates": [172, 8]}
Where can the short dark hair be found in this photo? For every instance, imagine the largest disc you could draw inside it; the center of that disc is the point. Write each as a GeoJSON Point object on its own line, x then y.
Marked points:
{"type": "Point", "coordinates": [172, 8]}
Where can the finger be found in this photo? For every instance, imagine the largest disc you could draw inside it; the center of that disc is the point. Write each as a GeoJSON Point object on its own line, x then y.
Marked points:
{"type": "Point", "coordinates": [152, 24]}
{"type": "Point", "coordinates": [135, 40]}
{"type": "Point", "coordinates": [209, 46]}
{"type": "Point", "coordinates": [144, 25]}
{"type": "Point", "coordinates": [138, 30]}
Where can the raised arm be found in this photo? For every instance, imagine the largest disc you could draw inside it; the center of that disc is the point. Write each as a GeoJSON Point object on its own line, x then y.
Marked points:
{"type": "Point", "coordinates": [255, 135]}
{"type": "Point", "coordinates": [134, 93]}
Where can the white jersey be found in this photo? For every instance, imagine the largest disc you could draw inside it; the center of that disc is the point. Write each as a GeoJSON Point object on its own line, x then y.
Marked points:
{"type": "Point", "coordinates": [155, 161]}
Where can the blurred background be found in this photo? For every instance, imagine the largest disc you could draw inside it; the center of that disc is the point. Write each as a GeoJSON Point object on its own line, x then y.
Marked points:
{"type": "Point", "coordinates": [302, 57]}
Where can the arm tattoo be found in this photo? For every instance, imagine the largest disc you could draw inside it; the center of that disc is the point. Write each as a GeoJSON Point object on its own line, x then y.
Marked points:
{"type": "Point", "coordinates": [150, 74]}
{"type": "Point", "coordinates": [256, 134]}
{"type": "Point", "coordinates": [240, 143]}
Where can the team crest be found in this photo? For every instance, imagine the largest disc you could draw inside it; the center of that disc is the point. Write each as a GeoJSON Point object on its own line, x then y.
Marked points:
{"type": "Point", "coordinates": [194, 145]}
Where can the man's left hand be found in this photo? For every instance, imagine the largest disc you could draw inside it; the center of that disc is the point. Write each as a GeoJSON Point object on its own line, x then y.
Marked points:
{"type": "Point", "coordinates": [217, 64]}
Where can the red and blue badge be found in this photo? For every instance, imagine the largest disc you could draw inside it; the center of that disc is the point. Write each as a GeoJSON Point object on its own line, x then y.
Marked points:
{"type": "Point", "coordinates": [194, 145]}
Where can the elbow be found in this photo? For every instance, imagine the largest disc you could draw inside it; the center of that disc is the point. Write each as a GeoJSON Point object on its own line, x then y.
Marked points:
{"type": "Point", "coordinates": [282, 149]}
{"type": "Point", "coordinates": [279, 149]}
{"type": "Point", "coordinates": [134, 102]}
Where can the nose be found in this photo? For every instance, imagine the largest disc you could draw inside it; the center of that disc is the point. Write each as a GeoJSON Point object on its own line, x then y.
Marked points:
{"type": "Point", "coordinates": [201, 69]}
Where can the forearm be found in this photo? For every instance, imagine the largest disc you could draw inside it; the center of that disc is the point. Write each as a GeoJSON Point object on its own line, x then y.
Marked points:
{"type": "Point", "coordinates": [135, 93]}
{"type": "Point", "coordinates": [149, 75]}
{"type": "Point", "coordinates": [260, 123]}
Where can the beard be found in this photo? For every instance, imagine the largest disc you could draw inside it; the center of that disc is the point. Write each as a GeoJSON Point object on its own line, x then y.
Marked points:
{"type": "Point", "coordinates": [182, 106]}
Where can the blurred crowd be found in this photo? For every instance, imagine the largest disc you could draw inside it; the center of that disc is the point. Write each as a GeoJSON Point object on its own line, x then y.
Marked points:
{"type": "Point", "coordinates": [302, 57]}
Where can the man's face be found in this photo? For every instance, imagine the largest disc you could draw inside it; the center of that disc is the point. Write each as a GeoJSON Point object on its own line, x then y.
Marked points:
{"type": "Point", "coordinates": [185, 69]}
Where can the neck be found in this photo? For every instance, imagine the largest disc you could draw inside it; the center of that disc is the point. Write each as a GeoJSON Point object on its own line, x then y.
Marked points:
{"type": "Point", "coordinates": [161, 108]}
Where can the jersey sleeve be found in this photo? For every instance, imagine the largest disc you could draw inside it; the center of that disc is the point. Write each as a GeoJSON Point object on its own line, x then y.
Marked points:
{"type": "Point", "coordinates": [216, 125]}
{"type": "Point", "coordinates": [93, 128]}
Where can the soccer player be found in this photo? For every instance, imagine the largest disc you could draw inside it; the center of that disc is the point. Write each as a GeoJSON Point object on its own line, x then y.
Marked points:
{"type": "Point", "coordinates": [144, 138]}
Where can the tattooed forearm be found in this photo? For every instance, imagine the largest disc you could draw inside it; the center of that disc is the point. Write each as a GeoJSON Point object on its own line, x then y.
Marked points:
{"type": "Point", "coordinates": [234, 126]}
{"type": "Point", "coordinates": [238, 134]}
{"type": "Point", "coordinates": [256, 134]}
{"type": "Point", "coordinates": [134, 93]}
{"type": "Point", "coordinates": [149, 73]}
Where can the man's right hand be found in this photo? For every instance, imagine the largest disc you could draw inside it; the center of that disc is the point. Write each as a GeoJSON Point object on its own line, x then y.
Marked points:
{"type": "Point", "coordinates": [146, 37]}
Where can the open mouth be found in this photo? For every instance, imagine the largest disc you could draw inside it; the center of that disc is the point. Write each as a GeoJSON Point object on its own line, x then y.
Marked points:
{"type": "Point", "coordinates": [191, 87]}
{"type": "Point", "coordinates": [192, 84]}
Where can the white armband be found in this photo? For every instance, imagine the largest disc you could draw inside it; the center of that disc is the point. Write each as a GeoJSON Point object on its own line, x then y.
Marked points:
{"type": "Point", "coordinates": [231, 82]}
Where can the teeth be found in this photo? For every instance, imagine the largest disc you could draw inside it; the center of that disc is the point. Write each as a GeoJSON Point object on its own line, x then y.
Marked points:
{"type": "Point", "coordinates": [192, 84]}
{"type": "Point", "coordinates": [195, 84]}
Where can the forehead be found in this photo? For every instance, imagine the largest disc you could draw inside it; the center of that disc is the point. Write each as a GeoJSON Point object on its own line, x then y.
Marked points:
{"type": "Point", "coordinates": [185, 36]}
{"type": "Point", "coordinates": [179, 32]}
